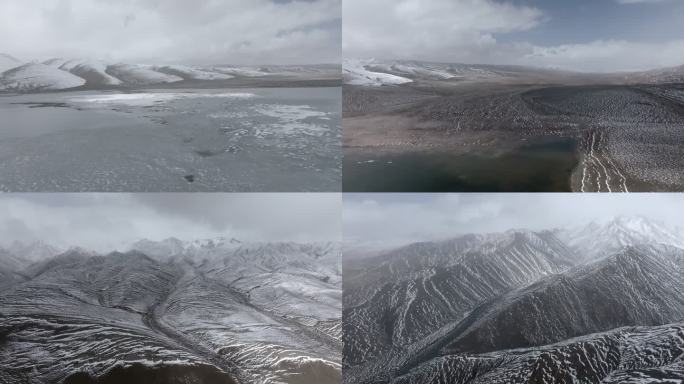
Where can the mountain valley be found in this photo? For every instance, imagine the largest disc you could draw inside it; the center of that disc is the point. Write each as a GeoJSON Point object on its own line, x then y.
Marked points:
{"type": "Point", "coordinates": [210, 311]}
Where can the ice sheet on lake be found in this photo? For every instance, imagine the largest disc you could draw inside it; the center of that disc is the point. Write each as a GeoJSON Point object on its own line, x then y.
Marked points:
{"type": "Point", "coordinates": [290, 120]}
{"type": "Point", "coordinates": [143, 99]}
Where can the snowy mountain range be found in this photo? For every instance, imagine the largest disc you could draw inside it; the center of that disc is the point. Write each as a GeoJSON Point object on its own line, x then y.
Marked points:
{"type": "Point", "coordinates": [555, 306]}
{"type": "Point", "coordinates": [60, 73]}
{"type": "Point", "coordinates": [206, 311]}
{"type": "Point", "coordinates": [375, 72]}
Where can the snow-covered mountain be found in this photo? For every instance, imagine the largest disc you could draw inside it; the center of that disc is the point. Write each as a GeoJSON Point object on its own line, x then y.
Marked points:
{"type": "Point", "coordinates": [445, 312]}
{"type": "Point", "coordinates": [38, 77]}
{"type": "Point", "coordinates": [600, 239]}
{"type": "Point", "coordinates": [223, 310]}
{"type": "Point", "coordinates": [374, 72]}
{"type": "Point", "coordinates": [623, 355]}
{"type": "Point", "coordinates": [141, 74]}
{"type": "Point", "coordinates": [68, 73]}
{"type": "Point", "coordinates": [356, 72]}
{"type": "Point", "coordinates": [193, 73]}
{"type": "Point", "coordinates": [642, 285]}
{"type": "Point", "coordinates": [93, 71]}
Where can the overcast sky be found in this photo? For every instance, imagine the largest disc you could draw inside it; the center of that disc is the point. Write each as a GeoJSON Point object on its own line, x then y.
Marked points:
{"type": "Point", "coordinates": [103, 222]}
{"type": "Point", "coordinates": [387, 220]}
{"type": "Point", "coordinates": [584, 35]}
{"type": "Point", "coordinates": [174, 31]}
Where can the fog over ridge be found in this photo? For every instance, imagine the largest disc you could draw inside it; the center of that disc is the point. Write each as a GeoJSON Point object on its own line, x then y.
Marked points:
{"type": "Point", "coordinates": [387, 220]}
{"type": "Point", "coordinates": [104, 222]}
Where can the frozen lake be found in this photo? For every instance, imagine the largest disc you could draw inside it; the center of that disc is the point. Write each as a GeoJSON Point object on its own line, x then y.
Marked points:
{"type": "Point", "coordinates": [261, 139]}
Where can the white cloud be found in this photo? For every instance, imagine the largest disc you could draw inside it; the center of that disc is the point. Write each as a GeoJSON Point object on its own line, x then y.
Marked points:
{"type": "Point", "coordinates": [434, 30]}
{"type": "Point", "coordinates": [470, 31]}
{"type": "Point", "coordinates": [201, 31]}
{"type": "Point", "coordinates": [608, 56]}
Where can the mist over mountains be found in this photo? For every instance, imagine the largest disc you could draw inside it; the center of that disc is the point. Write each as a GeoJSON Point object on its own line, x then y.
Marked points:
{"type": "Point", "coordinates": [205, 311]}
{"type": "Point", "coordinates": [600, 302]}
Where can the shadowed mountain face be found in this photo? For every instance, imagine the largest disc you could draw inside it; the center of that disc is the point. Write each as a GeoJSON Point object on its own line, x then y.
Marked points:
{"type": "Point", "coordinates": [213, 311]}
{"type": "Point", "coordinates": [140, 374]}
{"type": "Point", "coordinates": [519, 307]}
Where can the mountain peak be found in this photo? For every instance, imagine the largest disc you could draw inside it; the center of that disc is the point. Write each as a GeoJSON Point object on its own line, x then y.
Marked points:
{"type": "Point", "coordinates": [599, 239]}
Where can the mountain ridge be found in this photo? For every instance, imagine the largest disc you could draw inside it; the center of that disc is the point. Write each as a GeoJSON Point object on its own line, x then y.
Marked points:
{"type": "Point", "coordinates": [276, 318]}
{"type": "Point", "coordinates": [632, 277]}
{"type": "Point", "coordinates": [378, 72]}
{"type": "Point", "coordinates": [78, 73]}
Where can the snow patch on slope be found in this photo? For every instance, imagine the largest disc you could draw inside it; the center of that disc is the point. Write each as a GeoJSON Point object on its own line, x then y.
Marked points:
{"type": "Point", "coordinates": [30, 77]}
{"type": "Point", "coordinates": [138, 74]}
{"type": "Point", "coordinates": [193, 73]}
{"type": "Point", "coordinates": [93, 71]}
{"type": "Point", "coordinates": [242, 71]}
{"type": "Point", "coordinates": [355, 72]}
{"type": "Point", "coordinates": [425, 70]}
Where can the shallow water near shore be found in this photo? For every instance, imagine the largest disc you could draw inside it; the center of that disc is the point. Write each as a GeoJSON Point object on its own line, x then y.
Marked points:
{"type": "Point", "coordinates": [541, 164]}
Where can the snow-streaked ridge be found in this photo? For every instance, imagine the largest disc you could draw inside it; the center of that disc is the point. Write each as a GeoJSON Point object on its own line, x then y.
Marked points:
{"type": "Point", "coordinates": [440, 312]}
{"type": "Point", "coordinates": [356, 72]}
{"type": "Point", "coordinates": [265, 312]}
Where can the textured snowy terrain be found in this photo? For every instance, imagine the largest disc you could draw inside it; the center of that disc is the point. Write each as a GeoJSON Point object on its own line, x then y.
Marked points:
{"type": "Point", "coordinates": [254, 313]}
{"type": "Point", "coordinates": [93, 71]}
{"type": "Point", "coordinates": [493, 308]}
{"type": "Point", "coordinates": [634, 355]}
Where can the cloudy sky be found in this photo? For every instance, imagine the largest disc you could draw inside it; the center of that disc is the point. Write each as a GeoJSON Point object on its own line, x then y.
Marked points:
{"type": "Point", "coordinates": [584, 35]}
{"type": "Point", "coordinates": [386, 220]}
{"type": "Point", "coordinates": [174, 31]}
{"type": "Point", "coordinates": [103, 222]}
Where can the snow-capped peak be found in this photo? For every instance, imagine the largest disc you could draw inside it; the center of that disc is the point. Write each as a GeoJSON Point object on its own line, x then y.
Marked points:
{"type": "Point", "coordinates": [598, 239]}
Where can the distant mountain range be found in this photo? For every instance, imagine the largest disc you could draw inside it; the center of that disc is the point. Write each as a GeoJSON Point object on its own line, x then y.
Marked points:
{"type": "Point", "coordinates": [374, 72]}
{"type": "Point", "coordinates": [596, 303]}
{"type": "Point", "coordinates": [60, 74]}
{"type": "Point", "coordinates": [209, 311]}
